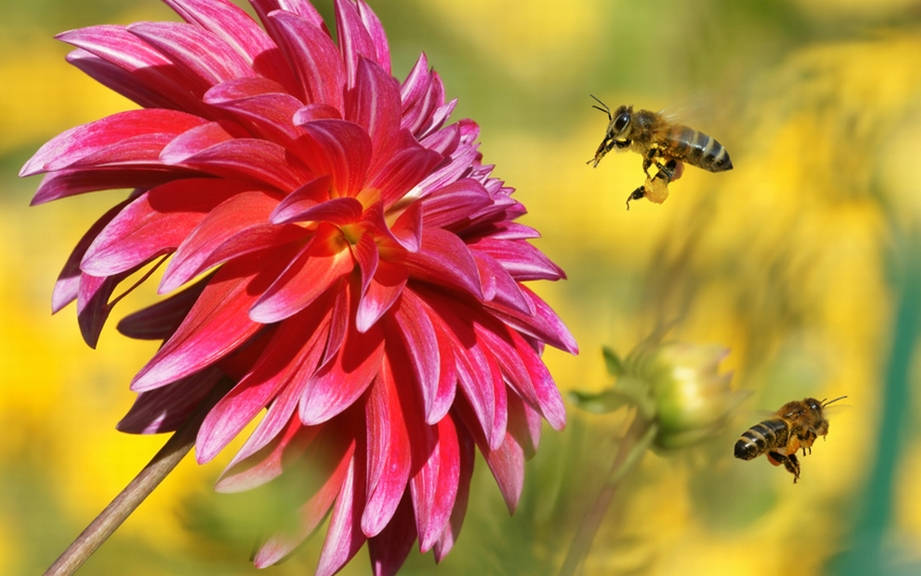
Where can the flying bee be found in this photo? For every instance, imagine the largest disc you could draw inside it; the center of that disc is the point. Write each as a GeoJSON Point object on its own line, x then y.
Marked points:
{"type": "Point", "coordinates": [794, 427]}
{"type": "Point", "coordinates": [668, 146]}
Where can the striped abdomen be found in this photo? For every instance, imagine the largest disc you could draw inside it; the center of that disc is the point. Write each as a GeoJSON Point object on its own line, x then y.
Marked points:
{"type": "Point", "coordinates": [762, 437]}
{"type": "Point", "coordinates": [695, 148]}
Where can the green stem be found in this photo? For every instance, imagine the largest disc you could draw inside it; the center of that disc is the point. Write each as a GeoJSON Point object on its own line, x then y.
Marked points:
{"type": "Point", "coordinates": [134, 493]}
{"type": "Point", "coordinates": [631, 449]}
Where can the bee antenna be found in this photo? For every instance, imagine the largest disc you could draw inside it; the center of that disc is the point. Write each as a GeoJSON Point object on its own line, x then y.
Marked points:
{"type": "Point", "coordinates": [827, 402]}
{"type": "Point", "coordinates": [604, 107]}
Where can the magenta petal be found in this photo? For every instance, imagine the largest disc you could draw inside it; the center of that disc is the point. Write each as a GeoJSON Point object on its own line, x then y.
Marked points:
{"type": "Point", "coordinates": [339, 148]}
{"type": "Point", "coordinates": [341, 382]}
{"type": "Point", "coordinates": [165, 409]}
{"type": "Point", "coordinates": [313, 56]}
{"type": "Point", "coordinates": [381, 293]}
{"type": "Point", "coordinates": [444, 259]}
{"type": "Point", "coordinates": [454, 203]}
{"type": "Point", "coordinates": [389, 549]}
{"type": "Point", "coordinates": [376, 107]}
{"type": "Point", "coordinates": [160, 320]}
{"type": "Point", "coordinates": [340, 481]}
{"type": "Point", "coordinates": [216, 325]}
{"type": "Point", "coordinates": [389, 454]}
{"type": "Point", "coordinates": [286, 356]}
{"type": "Point", "coordinates": [421, 344]}
{"type": "Point", "coordinates": [256, 103]}
{"type": "Point", "coordinates": [434, 484]}
{"type": "Point", "coordinates": [198, 53]}
{"type": "Point", "coordinates": [507, 466]}
{"type": "Point", "coordinates": [154, 223]}
{"type": "Point", "coordinates": [354, 41]}
{"type": "Point", "coordinates": [499, 287]}
{"type": "Point", "coordinates": [403, 170]}
{"type": "Point", "coordinates": [311, 202]}
{"type": "Point", "coordinates": [75, 144]}
{"type": "Point", "coordinates": [308, 276]}
{"type": "Point", "coordinates": [452, 530]}
{"type": "Point", "coordinates": [373, 25]}
{"type": "Point", "coordinates": [522, 260]}
{"type": "Point", "coordinates": [344, 537]}
{"type": "Point", "coordinates": [80, 180]}
{"type": "Point", "coordinates": [479, 377]}
{"type": "Point", "coordinates": [266, 464]}
{"type": "Point", "coordinates": [544, 325]}
{"type": "Point", "coordinates": [367, 257]}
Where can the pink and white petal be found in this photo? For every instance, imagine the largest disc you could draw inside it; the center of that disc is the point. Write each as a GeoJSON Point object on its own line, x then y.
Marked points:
{"type": "Point", "coordinates": [311, 273]}
{"type": "Point", "coordinates": [258, 104]}
{"type": "Point", "coordinates": [160, 320]}
{"type": "Point", "coordinates": [354, 41]}
{"type": "Point", "coordinates": [338, 211]}
{"type": "Point", "coordinates": [198, 53]}
{"type": "Point", "coordinates": [522, 260]}
{"type": "Point", "coordinates": [167, 408]}
{"type": "Point", "coordinates": [121, 81]}
{"type": "Point", "coordinates": [375, 105]}
{"type": "Point", "coordinates": [421, 344]}
{"type": "Point", "coordinates": [339, 320]}
{"type": "Point", "coordinates": [341, 480]}
{"type": "Point", "coordinates": [367, 257]}
{"type": "Point", "coordinates": [344, 536]}
{"type": "Point", "coordinates": [312, 55]}
{"type": "Point", "coordinates": [72, 146]}
{"type": "Point", "coordinates": [376, 31]}
{"type": "Point", "coordinates": [434, 484]}
{"type": "Point", "coordinates": [341, 382]}
{"type": "Point", "coordinates": [389, 549]}
{"type": "Point", "coordinates": [339, 148]}
{"type": "Point", "coordinates": [216, 325]}
{"type": "Point", "coordinates": [312, 112]}
{"type": "Point", "coordinates": [382, 291]}
{"type": "Point", "coordinates": [445, 260]}
{"type": "Point", "coordinates": [525, 424]}
{"type": "Point", "coordinates": [236, 29]}
{"type": "Point", "coordinates": [481, 381]}
{"type": "Point", "coordinates": [507, 466]}
{"type": "Point", "coordinates": [94, 304]}
{"type": "Point", "coordinates": [403, 170]}
{"type": "Point", "coordinates": [455, 203]}
{"type": "Point", "coordinates": [285, 357]}
{"type": "Point", "coordinates": [467, 457]}
{"type": "Point", "coordinates": [259, 161]}
{"type": "Point", "coordinates": [244, 210]}
{"type": "Point", "coordinates": [153, 223]}
{"type": "Point", "coordinates": [389, 453]}
{"type": "Point", "coordinates": [499, 286]}
{"type": "Point", "coordinates": [71, 182]}
{"type": "Point", "coordinates": [67, 286]}
{"type": "Point", "coordinates": [302, 8]}
{"type": "Point", "coordinates": [544, 325]}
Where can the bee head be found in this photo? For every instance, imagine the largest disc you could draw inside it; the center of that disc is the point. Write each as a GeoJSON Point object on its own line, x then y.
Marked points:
{"type": "Point", "coordinates": [619, 128]}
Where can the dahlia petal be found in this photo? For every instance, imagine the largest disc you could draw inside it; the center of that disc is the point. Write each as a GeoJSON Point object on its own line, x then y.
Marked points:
{"type": "Point", "coordinates": [143, 69]}
{"type": "Point", "coordinates": [467, 456]}
{"type": "Point", "coordinates": [285, 357]}
{"type": "Point", "coordinates": [339, 148]}
{"type": "Point", "coordinates": [260, 104]}
{"type": "Point", "coordinates": [117, 79]}
{"type": "Point", "coordinates": [522, 260]}
{"type": "Point", "coordinates": [403, 171]}
{"type": "Point", "coordinates": [389, 454]}
{"type": "Point", "coordinates": [544, 324]}
{"type": "Point", "coordinates": [481, 381]}
{"type": "Point", "coordinates": [354, 41]}
{"type": "Point", "coordinates": [524, 423]}
{"type": "Point", "coordinates": [507, 466]}
{"type": "Point", "coordinates": [341, 482]}
{"type": "Point", "coordinates": [198, 53]}
{"type": "Point", "coordinates": [165, 409]}
{"type": "Point", "coordinates": [389, 549]}
{"type": "Point", "coordinates": [367, 257]}
{"type": "Point", "coordinates": [376, 107]}
{"type": "Point", "coordinates": [93, 305]}
{"type": "Point", "coordinates": [245, 211]}
{"type": "Point", "coordinates": [245, 158]}
{"type": "Point", "coordinates": [71, 182]}
{"type": "Point", "coordinates": [344, 536]}
{"type": "Point", "coordinates": [499, 286]}
{"type": "Point", "coordinates": [268, 463]}
{"type": "Point", "coordinates": [421, 345]}
{"type": "Point", "coordinates": [302, 8]}
{"type": "Point", "coordinates": [67, 286]}
{"type": "Point", "coordinates": [236, 29]}
{"type": "Point", "coordinates": [455, 203]}
{"type": "Point", "coordinates": [311, 112]}
{"type": "Point", "coordinates": [376, 31]}
{"type": "Point", "coordinates": [313, 56]}
{"type": "Point", "coordinates": [340, 319]}
{"type": "Point", "coordinates": [141, 126]}
{"type": "Point", "coordinates": [216, 324]}
{"type": "Point", "coordinates": [383, 289]}
{"type": "Point", "coordinates": [341, 382]}
{"type": "Point", "coordinates": [444, 259]}
{"type": "Point", "coordinates": [309, 275]}
{"type": "Point", "coordinates": [152, 224]}
{"type": "Point", "coordinates": [310, 203]}
{"type": "Point", "coordinates": [415, 93]}
{"type": "Point", "coordinates": [434, 484]}
{"type": "Point", "coordinates": [457, 167]}
{"type": "Point", "coordinates": [160, 320]}
{"type": "Point", "coordinates": [407, 228]}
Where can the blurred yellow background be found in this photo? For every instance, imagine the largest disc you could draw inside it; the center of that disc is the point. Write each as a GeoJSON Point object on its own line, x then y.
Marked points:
{"type": "Point", "coordinates": [805, 260]}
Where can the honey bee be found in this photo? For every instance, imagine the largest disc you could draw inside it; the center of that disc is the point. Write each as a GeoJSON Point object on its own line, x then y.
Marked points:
{"type": "Point", "coordinates": [795, 426]}
{"type": "Point", "coordinates": [660, 142]}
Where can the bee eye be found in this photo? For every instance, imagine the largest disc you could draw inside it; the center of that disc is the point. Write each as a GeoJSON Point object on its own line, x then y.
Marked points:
{"type": "Point", "coordinates": [621, 122]}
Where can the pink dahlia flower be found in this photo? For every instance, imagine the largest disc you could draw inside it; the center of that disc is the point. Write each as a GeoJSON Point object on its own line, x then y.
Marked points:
{"type": "Point", "coordinates": [331, 246]}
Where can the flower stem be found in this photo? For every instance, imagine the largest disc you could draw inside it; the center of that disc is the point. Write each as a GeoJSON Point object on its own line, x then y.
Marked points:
{"type": "Point", "coordinates": [632, 447]}
{"type": "Point", "coordinates": [134, 493]}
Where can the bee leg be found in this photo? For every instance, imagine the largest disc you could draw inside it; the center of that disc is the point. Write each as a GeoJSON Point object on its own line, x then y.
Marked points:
{"type": "Point", "coordinates": [789, 462]}
{"type": "Point", "coordinates": [636, 195]}
{"type": "Point", "coordinates": [649, 158]}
